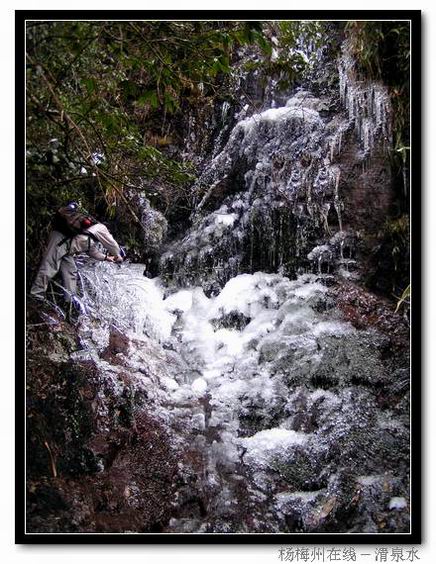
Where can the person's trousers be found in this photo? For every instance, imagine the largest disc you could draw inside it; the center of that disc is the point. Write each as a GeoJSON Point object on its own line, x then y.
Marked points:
{"type": "Point", "coordinates": [55, 259]}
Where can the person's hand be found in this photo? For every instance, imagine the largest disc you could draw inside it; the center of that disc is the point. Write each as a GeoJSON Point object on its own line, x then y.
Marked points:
{"type": "Point", "coordinates": [110, 258]}
{"type": "Point", "coordinates": [118, 259]}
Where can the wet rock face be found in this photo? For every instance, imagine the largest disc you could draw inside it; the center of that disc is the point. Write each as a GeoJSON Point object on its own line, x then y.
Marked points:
{"type": "Point", "coordinates": [122, 497]}
{"type": "Point", "coordinates": [345, 504]}
{"type": "Point", "coordinates": [87, 429]}
{"type": "Point", "coordinates": [277, 406]}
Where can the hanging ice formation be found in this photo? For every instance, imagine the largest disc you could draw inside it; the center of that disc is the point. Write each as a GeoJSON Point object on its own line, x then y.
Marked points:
{"type": "Point", "coordinates": [367, 102]}
{"type": "Point", "coordinates": [273, 193]}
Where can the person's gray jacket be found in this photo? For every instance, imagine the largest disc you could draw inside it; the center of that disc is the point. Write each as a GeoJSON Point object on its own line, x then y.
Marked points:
{"type": "Point", "coordinates": [85, 244]}
{"type": "Point", "coordinates": [59, 257]}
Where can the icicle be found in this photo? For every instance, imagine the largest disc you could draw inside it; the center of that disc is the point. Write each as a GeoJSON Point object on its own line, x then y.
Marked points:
{"type": "Point", "coordinates": [367, 103]}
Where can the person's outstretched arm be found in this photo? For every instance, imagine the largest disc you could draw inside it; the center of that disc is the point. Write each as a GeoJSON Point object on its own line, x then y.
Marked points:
{"type": "Point", "coordinates": [102, 233]}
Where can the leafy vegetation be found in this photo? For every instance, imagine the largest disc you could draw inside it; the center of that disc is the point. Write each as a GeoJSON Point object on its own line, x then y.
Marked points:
{"type": "Point", "coordinates": [404, 298]}
{"type": "Point", "coordinates": [104, 102]}
{"type": "Point", "coordinates": [101, 97]}
{"type": "Point", "coordinates": [389, 264]}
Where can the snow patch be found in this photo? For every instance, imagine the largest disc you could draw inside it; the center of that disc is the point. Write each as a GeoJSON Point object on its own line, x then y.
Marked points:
{"type": "Point", "coordinates": [280, 115]}
{"type": "Point", "coordinates": [199, 386]}
{"type": "Point", "coordinates": [397, 503]}
{"type": "Point", "coordinates": [271, 443]}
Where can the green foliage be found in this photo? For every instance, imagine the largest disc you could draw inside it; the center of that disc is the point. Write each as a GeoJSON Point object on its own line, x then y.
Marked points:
{"type": "Point", "coordinates": [404, 298]}
{"type": "Point", "coordinates": [388, 268]}
{"type": "Point", "coordinates": [381, 48]}
{"type": "Point", "coordinates": [311, 34]}
{"type": "Point", "coordinates": [108, 90]}
{"type": "Point", "coordinates": [104, 100]}
{"type": "Point", "coordinates": [288, 48]}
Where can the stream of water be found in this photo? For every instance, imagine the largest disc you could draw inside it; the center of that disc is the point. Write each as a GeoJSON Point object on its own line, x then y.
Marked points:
{"type": "Point", "coordinates": [272, 389]}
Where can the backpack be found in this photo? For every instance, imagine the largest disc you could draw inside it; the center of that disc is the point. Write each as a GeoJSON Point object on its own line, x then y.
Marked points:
{"type": "Point", "coordinates": [69, 221]}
